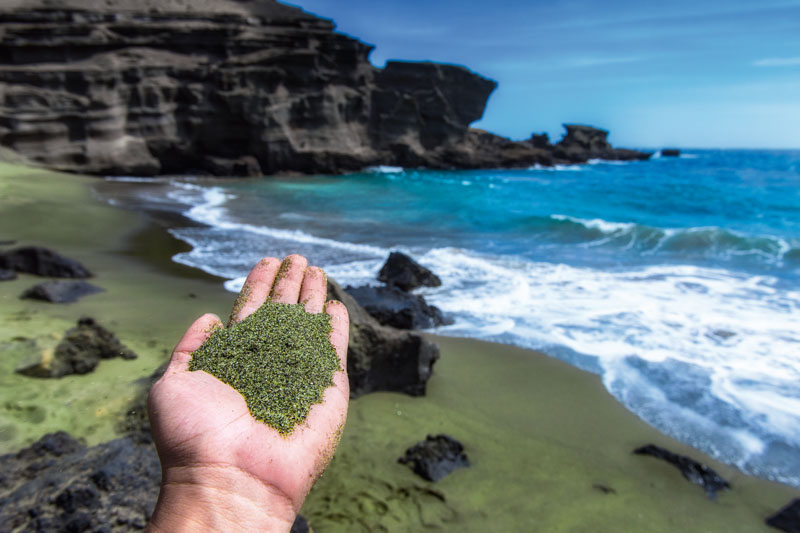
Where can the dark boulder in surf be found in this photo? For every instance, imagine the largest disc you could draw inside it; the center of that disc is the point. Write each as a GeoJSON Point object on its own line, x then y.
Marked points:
{"type": "Point", "coordinates": [402, 272]}
{"type": "Point", "coordinates": [381, 358]}
{"type": "Point", "coordinates": [392, 307]}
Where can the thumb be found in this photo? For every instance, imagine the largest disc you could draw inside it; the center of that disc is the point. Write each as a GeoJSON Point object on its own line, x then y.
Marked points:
{"type": "Point", "coordinates": [195, 336]}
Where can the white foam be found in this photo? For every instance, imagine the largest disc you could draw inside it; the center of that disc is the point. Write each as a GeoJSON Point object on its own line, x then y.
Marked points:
{"type": "Point", "coordinates": [597, 223]}
{"type": "Point", "coordinates": [658, 313]}
{"type": "Point", "coordinates": [598, 161]}
{"type": "Point", "coordinates": [553, 168]}
{"type": "Point", "coordinates": [133, 179]}
{"type": "Point", "coordinates": [236, 284]}
{"type": "Point", "coordinates": [385, 169]}
{"type": "Point", "coordinates": [211, 210]}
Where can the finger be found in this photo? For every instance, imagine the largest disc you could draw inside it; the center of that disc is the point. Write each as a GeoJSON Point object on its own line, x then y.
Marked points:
{"type": "Point", "coordinates": [340, 329]}
{"type": "Point", "coordinates": [313, 289]}
{"type": "Point", "coordinates": [256, 289]}
{"type": "Point", "coordinates": [194, 337]}
{"type": "Point", "coordinates": [286, 289]}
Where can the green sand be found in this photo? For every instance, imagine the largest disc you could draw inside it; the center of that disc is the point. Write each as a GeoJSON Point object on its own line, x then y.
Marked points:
{"type": "Point", "coordinates": [539, 434]}
{"type": "Point", "coordinates": [280, 358]}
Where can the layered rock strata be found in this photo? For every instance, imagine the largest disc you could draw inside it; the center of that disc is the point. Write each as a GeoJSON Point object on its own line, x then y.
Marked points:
{"type": "Point", "coordinates": [232, 87]}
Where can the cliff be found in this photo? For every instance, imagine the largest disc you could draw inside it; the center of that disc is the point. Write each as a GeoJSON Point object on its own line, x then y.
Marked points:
{"type": "Point", "coordinates": [230, 87]}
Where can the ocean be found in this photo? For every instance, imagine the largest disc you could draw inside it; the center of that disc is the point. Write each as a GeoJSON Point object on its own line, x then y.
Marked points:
{"type": "Point", "coordinates": [677, 280]}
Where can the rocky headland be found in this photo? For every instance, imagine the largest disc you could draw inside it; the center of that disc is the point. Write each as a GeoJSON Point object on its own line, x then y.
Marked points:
{"type": "Point", "coordinates": [239, 87]}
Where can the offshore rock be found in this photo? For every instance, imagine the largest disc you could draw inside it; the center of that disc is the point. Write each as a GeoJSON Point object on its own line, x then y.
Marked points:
{"type": "Point", "coordinates": [435, 457]}
{"type": "Point", "coordinates": [42, 262]}
{"type": "Point", "coordinates": [402, 272]}
{"type": "Point", "coordinates": [787, 519]}
{"type": "Point", "coordinates": [79, 352]}
{"type": "Point", "coordinates": [392, 307]}
{"type": "Point", "coordinates": [380, 358]}
{"type": "Point", "coordinates": [670, 152]}
{"type": "Point", "coordinates": [233, 87]}
{"type": "Point", "coordinates": [697, 473]}
{"type": "Point", "coordinates": [61, 291]}
{"type": "Point", "coordinates": [582, 143]}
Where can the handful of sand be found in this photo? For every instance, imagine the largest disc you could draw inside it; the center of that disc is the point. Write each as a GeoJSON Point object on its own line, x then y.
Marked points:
{"type": "Point", "coordinates": [279, 358]}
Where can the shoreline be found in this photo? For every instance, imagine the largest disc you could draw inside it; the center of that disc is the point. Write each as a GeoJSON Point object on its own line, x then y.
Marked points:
{"type": "Point", "coordinates": [538, 432]}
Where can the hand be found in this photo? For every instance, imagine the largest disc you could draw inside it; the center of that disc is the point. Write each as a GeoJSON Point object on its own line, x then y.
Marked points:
{"type": "Point", "coordinates": [221, 468]}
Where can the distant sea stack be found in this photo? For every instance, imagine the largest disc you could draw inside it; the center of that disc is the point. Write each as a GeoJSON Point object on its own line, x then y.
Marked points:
{"type": "Point", "coordinates": [238, 87]}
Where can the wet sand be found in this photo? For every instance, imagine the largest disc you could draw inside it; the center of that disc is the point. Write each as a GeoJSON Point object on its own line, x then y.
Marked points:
{"type": "Point", "coordinates": [545, 440]}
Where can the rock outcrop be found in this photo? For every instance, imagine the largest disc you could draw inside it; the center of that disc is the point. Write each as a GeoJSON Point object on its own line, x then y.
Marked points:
{"type": "Point", "coordinates": [403, 272]}
{"type": "Point", "coordinates": [380, 358]}
{"type": "Point", "coordinates": [582, 143]}
{"type": "Point", "coordinates": [697, 473]}
{"type": "Point", "coordinates": [435, 457]}
{"type": "Point", "coordinates": [786, 519]}
{"type": "Point", "coordinates": [79, 352]}
{"type": "Point", "coordinates": [59, 484]}
{"type": "Point", "coordinates": [392, 307]}
{"type": "Point", "coordinates": [42, 262]}
{"type": "Point", "coordinates": [231, 87]}
{"type": "Point", "coordinates": [61, 291]}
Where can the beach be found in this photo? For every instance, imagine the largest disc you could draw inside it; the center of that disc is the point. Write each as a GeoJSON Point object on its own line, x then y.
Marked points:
{"type": "Point", "coordinates": [549, 447]}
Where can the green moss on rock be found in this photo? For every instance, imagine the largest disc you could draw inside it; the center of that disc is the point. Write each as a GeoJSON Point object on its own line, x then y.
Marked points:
{"type": "Point", "coordinates": [279, 358]}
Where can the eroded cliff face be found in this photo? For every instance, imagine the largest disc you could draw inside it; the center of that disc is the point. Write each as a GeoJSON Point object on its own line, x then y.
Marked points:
{"type": "Point", "coordinates": [228, 87]}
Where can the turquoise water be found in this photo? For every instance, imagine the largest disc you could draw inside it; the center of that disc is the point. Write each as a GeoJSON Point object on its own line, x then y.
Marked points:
{"type": "Point", "coordinates": [677, 279]}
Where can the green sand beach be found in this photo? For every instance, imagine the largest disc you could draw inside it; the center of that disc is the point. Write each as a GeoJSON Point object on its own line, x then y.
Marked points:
{"type": "Point", "coordinates": [550, 448]}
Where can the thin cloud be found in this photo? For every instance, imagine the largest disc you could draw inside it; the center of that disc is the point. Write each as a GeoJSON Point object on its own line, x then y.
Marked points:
{"type": "Point", "coordinates": [596, 61]}
{"type": "Point", "coordinates": [778, 62]}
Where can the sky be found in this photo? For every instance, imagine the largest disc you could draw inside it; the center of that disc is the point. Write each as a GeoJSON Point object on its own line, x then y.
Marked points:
{"type": "Point", "coordinates": [685, 73]}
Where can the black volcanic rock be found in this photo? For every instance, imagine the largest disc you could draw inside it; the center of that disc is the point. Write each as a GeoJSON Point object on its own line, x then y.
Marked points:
{"type": "Point", "coordinates": [7, 275]}
{"type": "Point", "coordinates": [670, 152]}
{"type": "Point", "coordinates": [402, 272]}
{"type": "Point", "coordinates": [62, 291]}
{"type": "Point", "coordinates": [787, 519]}
{"type": "Point", "coordinates": [79, 352]}
{"type": "Point", "coordinates": [392, 307]}
{"type": "Point", "coordinates": [380, 358]}
{"type": "Point", "coordinates": [435, 457]}
{"type": "Point", "coordinates": [42, 262]}
{"type": "Point", "coordinates": [58, 484]}
{"type": "Point", "coordinates": [233, 87]}
{"type": "Point", "coordinates": [697, 473]}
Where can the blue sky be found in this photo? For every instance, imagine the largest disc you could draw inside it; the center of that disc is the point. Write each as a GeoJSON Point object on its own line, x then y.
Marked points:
{"type": "Point", "coordinates": [702, 73]}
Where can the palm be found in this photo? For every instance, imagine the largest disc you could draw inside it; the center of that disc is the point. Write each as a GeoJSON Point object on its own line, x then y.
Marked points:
{"type": "Point", "coordinates": [213, 426]}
